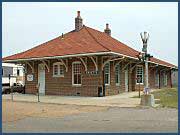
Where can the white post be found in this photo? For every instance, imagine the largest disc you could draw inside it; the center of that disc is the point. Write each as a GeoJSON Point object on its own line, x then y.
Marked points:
{"type": "Point", "coordinates": [144, 49]}
{"type": "Point", "coordinates": [146, 68]}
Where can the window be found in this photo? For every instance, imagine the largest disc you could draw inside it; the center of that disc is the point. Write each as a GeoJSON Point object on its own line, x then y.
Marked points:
{"type": "Point", "coordinates": [2, 72]}
{"type": "Point", "coordinates": [139, 74]}
{"type": "Point", "coordinates": [156, 78]}
{"type": "Point", "coordinates": [14, 71]}
{"type": "Point", "coordinates": [18, 72]}
{"type": "Point", "coordinates": [117, 74]}
{"type": "Point", "coordinates": [107, 74]}
{"type": "Point", "coordinates": [76, 73]}
{"type": "Point", "coordinates": [61, 69]}
{"type": "Point", "coordinates": [58, 69]}
{"type": "Point", "coordinates": [55, 69]}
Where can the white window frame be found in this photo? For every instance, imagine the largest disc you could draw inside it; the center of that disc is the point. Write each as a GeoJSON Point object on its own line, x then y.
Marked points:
{"type": "Point", "coordinates": [118, 74]}
{"type": "Point", "coordinates": [142, 74]}
{"type": "Point", "coordinates": [14, 71]}
{"type": "Point", "coordinates": [59, 64]}
{"type": "Point", "coordinates": [109, 74]}
{"type": "Point", "coordinates": [76, 62]}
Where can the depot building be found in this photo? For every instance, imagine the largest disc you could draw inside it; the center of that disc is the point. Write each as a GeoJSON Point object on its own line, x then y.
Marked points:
{"type": "Point", "coordinates": [88, 62]}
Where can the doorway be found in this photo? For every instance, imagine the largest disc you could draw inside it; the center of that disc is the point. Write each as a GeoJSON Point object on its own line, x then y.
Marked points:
{"type": "Point", "coordinates": [41, 79]}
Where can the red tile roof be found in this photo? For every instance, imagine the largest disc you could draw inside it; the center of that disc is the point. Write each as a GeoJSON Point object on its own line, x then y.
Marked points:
{"type": "Point", "coordinates": [86, 40]}
{"type": "Point", "coordinates": [161, 62]}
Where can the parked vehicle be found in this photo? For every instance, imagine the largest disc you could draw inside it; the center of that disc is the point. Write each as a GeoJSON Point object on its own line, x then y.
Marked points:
{"type": "Point", "coordinates": [17, 87]}
{"type": "Point", "coordinates": [14, 71]}
{"type": "Point", "coordinates": [5, 88]}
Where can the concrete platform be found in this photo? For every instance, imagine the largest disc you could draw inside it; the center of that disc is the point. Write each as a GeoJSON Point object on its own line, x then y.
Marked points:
{"type": "Point", "coordinates": [121, 100]}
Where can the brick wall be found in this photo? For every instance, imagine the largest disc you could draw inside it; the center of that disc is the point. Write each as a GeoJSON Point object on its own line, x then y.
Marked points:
{"type": "Point", "coordinates": [114, 89]}
{"type": "Point", "coordinates": [63, 85]}
{"type": "Point", "coordinates": [30, 86]}
{"type": "Point", "coordinates": [90, 83]}
{"type": "Point", "coordinates": [152, 85]}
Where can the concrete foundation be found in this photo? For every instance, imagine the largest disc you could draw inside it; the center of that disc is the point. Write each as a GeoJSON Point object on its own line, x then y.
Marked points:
{"type": "Point", "coordinates": [147, 100]}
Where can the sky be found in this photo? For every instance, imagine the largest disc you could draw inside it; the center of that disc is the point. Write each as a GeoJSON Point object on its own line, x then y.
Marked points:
{"type": "Point", "coordinates": [26, 25]}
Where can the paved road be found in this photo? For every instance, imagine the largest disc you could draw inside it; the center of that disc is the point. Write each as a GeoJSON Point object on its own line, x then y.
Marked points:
{"type": "Point", "coordinates": [112, 120]}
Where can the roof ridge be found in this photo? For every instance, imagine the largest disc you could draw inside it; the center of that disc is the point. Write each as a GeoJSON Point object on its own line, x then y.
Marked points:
{"type": "Point", "coordinates": [116, 40]}
{"type": "Point", "coordinates": [96, 39]}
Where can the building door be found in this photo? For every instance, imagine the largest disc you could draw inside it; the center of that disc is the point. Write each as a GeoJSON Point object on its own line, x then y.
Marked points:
{"type": "Point", "coordinates": [41, 79]}
{"type": "Point", "coordinates": [126, 80]}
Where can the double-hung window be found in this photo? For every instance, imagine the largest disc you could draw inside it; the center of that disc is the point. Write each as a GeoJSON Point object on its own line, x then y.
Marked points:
{"type": "Point", "coordinates": [107, 74]}
{"type": "Point", "coordinates": [117, 74]}
{"type": "Point", "coordinates": [18, 72]}
{"type": "Point", "coordinates": [139, 74]}
{"type": "Point", "coordinates": [76, 73]}
{"type": "Point", "coordinates": [58, 69]}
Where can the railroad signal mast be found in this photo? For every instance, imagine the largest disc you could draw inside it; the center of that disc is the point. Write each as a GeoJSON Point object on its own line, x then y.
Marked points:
{"type": "Point", "coordinates": [145, 57]}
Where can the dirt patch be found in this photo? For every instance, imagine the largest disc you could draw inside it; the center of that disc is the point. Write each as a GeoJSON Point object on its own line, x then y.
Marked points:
{"type": "Point", "coordinates": [13, 111]}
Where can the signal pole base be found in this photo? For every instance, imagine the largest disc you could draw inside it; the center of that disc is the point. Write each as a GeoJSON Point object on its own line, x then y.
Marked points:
{"type": "Point", "coordinates": [147, 100]}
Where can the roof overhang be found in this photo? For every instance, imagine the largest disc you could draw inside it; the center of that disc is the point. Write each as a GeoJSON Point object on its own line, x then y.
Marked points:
{"type": "Point", "coordinates": [67, 56]}
{"type": "Point", "coordinates": [162, 65]}
{"type": "Point", "coordinates": [80, 55]}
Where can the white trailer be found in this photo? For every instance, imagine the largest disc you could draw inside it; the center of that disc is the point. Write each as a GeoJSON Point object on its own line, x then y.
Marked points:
{"type": "Point", "coordinates": [15, 71]}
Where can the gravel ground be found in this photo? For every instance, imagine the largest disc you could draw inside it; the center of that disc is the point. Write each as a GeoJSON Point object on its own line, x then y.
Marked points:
{"type": "Point", "coordinates": [72, 118]}
{"type": "Point", "coordinates": [14, 111]}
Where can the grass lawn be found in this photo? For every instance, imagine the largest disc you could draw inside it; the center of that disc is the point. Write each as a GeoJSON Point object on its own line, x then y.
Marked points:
{"type": "Point", "coordinates": [168, 97]}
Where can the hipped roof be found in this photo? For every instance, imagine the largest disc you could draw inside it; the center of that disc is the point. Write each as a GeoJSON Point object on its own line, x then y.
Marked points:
{"type": "Point", "coordinates": [86, 40]}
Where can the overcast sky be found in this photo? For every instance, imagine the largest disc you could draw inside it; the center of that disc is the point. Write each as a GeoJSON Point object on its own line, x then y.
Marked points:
{"type": "Point", "coordinates": [26, 25]}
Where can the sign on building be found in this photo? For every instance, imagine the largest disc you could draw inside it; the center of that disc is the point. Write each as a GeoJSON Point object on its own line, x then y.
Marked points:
{"type": "Point", "coordinates": [30, 77]}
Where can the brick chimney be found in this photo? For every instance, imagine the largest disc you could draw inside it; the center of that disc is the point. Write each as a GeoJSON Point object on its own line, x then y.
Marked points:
{"type": "Point", "coordinates": [107, 30]}
{"type": "Point", "coordinates": [78, 22]}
